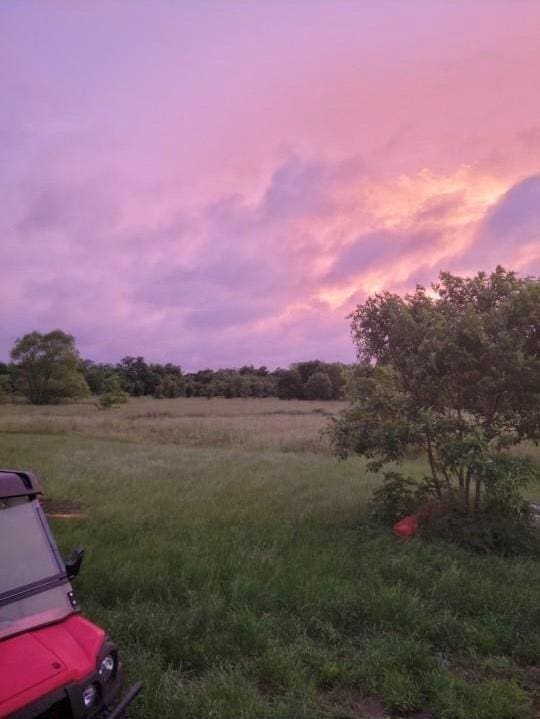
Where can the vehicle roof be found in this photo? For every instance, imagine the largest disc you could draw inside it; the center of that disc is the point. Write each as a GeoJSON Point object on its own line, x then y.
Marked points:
{"type": "Point", "coordinates": [17, 483]}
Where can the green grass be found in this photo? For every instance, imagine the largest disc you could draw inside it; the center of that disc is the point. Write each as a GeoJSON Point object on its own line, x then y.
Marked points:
{"type": "Point", "coordinates": [226, 555]}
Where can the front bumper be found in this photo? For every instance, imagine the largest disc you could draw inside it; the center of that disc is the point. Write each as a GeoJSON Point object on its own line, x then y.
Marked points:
{"type": "Point", "coordinates": [120, 708]}
{"type": "Point", "coordinates": [66, 703]}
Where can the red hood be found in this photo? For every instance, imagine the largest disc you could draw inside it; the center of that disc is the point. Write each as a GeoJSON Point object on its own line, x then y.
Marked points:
{"type": "Point", "coordinates": [37, 662]}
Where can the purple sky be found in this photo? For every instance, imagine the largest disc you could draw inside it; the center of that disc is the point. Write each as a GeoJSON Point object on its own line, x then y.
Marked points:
{"type": "Point", "coordinates": [219, 183]}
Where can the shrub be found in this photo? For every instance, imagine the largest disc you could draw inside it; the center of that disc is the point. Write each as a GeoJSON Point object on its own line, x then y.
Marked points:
{"type": "Point", "coordinates": [504, 525]}
{"type": "Point", "coordinates": [113, 394]}
{"type": "Point", "coordinates": [495, 529]}
{"type": "Point", "coordinates": [396, 498]}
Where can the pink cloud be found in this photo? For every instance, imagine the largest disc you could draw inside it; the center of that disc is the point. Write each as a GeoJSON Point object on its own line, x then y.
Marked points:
{"type": "Point", "coordinates": [219, 184]}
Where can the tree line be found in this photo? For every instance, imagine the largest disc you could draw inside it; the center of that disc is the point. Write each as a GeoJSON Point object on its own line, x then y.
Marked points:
{"type": "Point", "coordinates": [47, 368]}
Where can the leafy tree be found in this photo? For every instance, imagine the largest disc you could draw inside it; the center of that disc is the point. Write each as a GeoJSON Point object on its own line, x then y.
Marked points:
{"type": "Point", "coordinates": [96, 375]}
{"type": "Point", "coordinates": [455, 375]}
{"type": "Point", "coordinates": [318, 386]}
{"type": "Point", "coordinates": [4, 388]}
{"type": "Point", "coordinates": [337, 373]}
{"type": "Point", "coordinates": [306, 369]}
{"type": "Point", "coordinates": [289, 385]}
{"type": "Point", "coordinates": [334, 372]}
{"type": "Point", "coordinates": [49, 367]}
{"type": "Point", "coordinates": [170, 385]}
{"type": "Point", "coordinates": [8, 379]}
{"type": "Point", "coordinates": [113, 394]}
{"type": "Point", "coordinates": [137, 377]}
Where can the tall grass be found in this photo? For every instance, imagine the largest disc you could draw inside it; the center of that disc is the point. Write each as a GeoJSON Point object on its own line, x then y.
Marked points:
{"type": "Point", "coordinates": [226, 554]}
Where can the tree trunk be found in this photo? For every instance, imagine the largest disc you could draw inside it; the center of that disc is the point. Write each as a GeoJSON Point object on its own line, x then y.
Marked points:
{"type": "Point", "coordinates": [433, 468]}
{"type": "Point", "coordinates": [468, 489]}
{"type": "Point", "coordinates": [477, 494]}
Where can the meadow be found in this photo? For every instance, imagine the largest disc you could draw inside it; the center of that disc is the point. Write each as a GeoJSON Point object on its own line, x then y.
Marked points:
{"type": "Point", "coordinates": [228, 555]}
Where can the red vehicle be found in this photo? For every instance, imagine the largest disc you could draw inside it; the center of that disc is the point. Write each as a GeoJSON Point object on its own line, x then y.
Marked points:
{"type": "Point", "coordinates": [54, 663]}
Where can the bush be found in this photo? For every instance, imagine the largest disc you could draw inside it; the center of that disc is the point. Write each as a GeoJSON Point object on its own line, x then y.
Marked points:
{"type": "Point", "coordinates": [113, 394]}
{"type": "Point", "coordinates": [318, 386]}
{"type": "Point", "coordinates": [494, 529]}
{"type": "Point", "coordinates": [395, 499]}
{"type": "Point", "coordinates": [503, 526]}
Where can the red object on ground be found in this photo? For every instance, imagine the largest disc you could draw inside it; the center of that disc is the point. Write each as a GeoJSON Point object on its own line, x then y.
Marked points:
{"type": "Point", "coordinates": [406, 527]}
{"type": "Point", "coordinates": [38, 662]}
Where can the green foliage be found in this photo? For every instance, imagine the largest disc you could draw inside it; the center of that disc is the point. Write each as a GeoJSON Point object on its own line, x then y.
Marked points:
{"type": "Point", "coordinates": [248, 381]}
{"type": "Point", "coordinates": [312, 380]}
{"type": "Point", "coordinates": [318, 386]}
{"type": "Point", "coordinates": [456, 376]}
{"type": "Point", "coordinates": [137, 377]}
{"type": "Point", "coordinates": [5, 388]}
{"type": "Point", "coordinates": [492, 529]}
{"type": "Point", "coordinates": [96, 375]}
{"type": "Point", "coordinates": [289, 385]}
{"type": "Point", "coordinates": [376, 425]}
{"type": "Point", "coordinates": [394, 499]}
{"type": "Point", "coordinates": [49, 367]}
{"type": "Point", "coordinates": [170, 386]}
{"type": "Point", "coordinates": [8, 381]}
{"type": "Point", "coordinates": [113, 394]}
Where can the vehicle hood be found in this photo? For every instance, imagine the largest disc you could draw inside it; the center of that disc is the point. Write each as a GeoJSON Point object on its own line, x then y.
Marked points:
{"type": "Point", "coordinates": [37, 662]}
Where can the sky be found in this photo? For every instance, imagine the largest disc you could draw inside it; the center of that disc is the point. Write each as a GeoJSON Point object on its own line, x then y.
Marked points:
{"type": "Point", "coordinates": [219, 183]}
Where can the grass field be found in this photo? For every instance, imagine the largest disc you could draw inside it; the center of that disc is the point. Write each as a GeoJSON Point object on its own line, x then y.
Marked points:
{"type": "Point", "coordinates": [226, 555]}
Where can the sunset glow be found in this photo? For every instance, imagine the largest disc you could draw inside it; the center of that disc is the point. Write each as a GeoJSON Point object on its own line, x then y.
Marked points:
{"type": "Point", "coordinates": [220, 183]}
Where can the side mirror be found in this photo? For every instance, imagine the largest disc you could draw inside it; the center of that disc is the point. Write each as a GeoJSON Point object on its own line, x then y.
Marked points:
{"type": "Point", "coordinates": [74, 561]}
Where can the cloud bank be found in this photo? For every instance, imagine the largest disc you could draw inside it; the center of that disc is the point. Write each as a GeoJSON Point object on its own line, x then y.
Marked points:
{"type": "Point", "coordinates": [214, 203]}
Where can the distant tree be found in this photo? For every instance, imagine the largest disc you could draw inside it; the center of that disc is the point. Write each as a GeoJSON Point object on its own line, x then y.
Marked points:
{"type": "Point", "coordinates": [306, 369]}
{"type": "Point", "coordinates": [290, 385]}
{"type": "Point", "coordinates": [4, 388]}
{"type": "Point", "coordinates": [333, 370]}
{"type": "Point", "coordinates": [137, 377]}
{"type": "Point", "coordinates": [97, 374]}
{"type": "Point", "coordinates": [337, 374]}
{"type": "Point", "coordinates": [197, 382]}
{"type": "Point", "coordinates": [269, 385]}
{"type": "Point", "coordinates": [49, 367]}
{"type": "Point", "coordinates": [257, 386]}
{"type": "Point", "coordinates": [170, 386]}
{"type": "Point", "coordinates": [455, 375]}
{"type": "Point", "coordinates": [318, 386]}
{"type": "Point", "coordinates": [113, 394]}
{"type": "Point", "coordinates": [7, 381]}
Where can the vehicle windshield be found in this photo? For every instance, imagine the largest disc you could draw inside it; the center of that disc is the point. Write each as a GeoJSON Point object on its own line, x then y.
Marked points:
{"type": "Point", "coordinates": [33, 581]}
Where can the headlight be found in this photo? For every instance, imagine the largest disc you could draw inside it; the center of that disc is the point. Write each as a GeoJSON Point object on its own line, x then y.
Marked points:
{"type": "Point", "coordinates": [89, 695]}
{"type": "Point", "coordinates": [106, 667]}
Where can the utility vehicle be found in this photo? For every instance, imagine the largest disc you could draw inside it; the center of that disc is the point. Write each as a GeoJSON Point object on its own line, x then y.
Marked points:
{"type": "Point", "coordinates": [54, 664]}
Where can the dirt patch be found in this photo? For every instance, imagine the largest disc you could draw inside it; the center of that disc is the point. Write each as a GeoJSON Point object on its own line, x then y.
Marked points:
{"type": "Point", "coordinates": [63, 508]}
{"type": "Point", "coordinates": [353, 704]}
{"type": "Point", "coordinates": [350, 703]}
